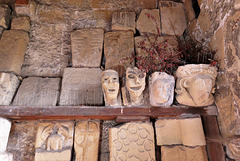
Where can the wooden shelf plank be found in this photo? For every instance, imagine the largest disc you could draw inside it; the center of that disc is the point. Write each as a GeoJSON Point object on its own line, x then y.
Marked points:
{"type": "Point", "coordinates": [102, 112]}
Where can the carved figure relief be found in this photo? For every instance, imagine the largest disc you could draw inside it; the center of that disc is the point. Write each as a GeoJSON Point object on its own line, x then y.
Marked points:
{"type": "Point", "coordinates": [134, 86]}
{"type": "Point", "coordinates": [87, 140]}
{"type": "Point", "coordinates": [110, 88]}
{"type": "Point", "coordinates": [132, 141]}
{"type": "Point", "coordinates": [161, 89]}
{"type": "Point", "coordinates": [195, 84]}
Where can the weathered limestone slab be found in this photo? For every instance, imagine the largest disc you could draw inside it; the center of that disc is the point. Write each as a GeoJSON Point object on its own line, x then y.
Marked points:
{"type": "Point", "coordinates": [132, 141]}
{"type": "Point", "coordinates": [54, 141]}
{"type": "Point", "coordinates": [81, 86]}
{"type": "Point", "coordinates": [233, 148]}
{"type": "Point", "coordinates": [13, 45]}
{"type": "Point", "coordinates": [26, 10]}
{"type": "Point", "coordinates": [5, 127]}
{"type": "Point", "coordinates": [182, 153]}
{"type": "Point", "coordinates": [188, 132]}
{"type": "Point", "coordinates": [5, 16]}
{"type": "Point", "coordinates": [21, 23]}
{"type": "Point", "coordinates": [6, 156]}
{"type": "Point", "coordinates": [148, 22]}
{"type": "Point", "coordinates": [173, 19]}
{"type": "Point", "coordinates": [86, 140]}
{"type": "Point", "coordinates": [123, 21]}
{"type": "Point", "coordinates": [117, 46]}
{"type": "Point", "coordinates": [87, 47]}
{"type": "Point", "coordinates": [36, 91]}
{"type": "Point", "coordinates": [8, 86]}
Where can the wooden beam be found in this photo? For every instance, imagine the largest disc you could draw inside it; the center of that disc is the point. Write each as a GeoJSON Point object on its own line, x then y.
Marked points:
{"type": "Point", "coordinates": [22, 2]}
{"type": "Point", "coordinates": [103, 113]}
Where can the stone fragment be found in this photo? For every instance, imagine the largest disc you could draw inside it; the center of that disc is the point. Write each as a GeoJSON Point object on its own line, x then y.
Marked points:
{"type": "Point", "coordinates": [21, 23]}
{"type": "Point", "coordinates": [54, 141]}
{"type": "Point", "coordinates": [87, 47]}
{"type": "Point", "coordinates": [148, 22]}
{"type": "Point", "coordinates": [5, 16]}
{"type": "Point", "coordinates": [132, 141]}
{"type": "Point", "coordinates": [86, 140]}
{"type": "Point", "coordinates": [36, 91]}
{"type": "Point", "coordinates": [118, 46]}
{"type": "Point", "coordinates": [182, 153]}
{"type": "Point", "coordinates": [123, 21]}
{"type": "Point", "coordinates": [190, 13]}
{"type": "Point", "coordinates": [5, 127]}
{"type": "Point", "coordinates": [81, 86]}
{"type": "Point", "coordinates": [161, 89]}
{"type": "Point", "coordinates": [13, 45]}
{"type": "Point", "coordinates": [195, 84]}
{"type": "Point", "coordinates": [233, 148]}
{"type": "Point", "coordinates": [188, 132]}
{"type": "Point", "coordinates": [173, 19]}
{"type": "Point", "coordinates": [26, 10]}
{"type": "Point", "coordinates": [8, 86]}
{"type": "Point", "coordinates": [110, 88]}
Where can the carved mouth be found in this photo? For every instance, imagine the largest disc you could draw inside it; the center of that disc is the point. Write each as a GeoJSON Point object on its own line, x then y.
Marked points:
{"type": "Point", "coordinates": [136, 88]}
{"type": "Point", "coordinates": [111, 90]}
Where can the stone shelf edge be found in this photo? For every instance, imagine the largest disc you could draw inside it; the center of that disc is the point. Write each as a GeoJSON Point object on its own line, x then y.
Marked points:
{"type": "Point", "coordinates": [100, 112]}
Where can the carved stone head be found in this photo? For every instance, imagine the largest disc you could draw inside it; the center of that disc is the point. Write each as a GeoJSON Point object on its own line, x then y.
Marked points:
{"type": "Point", "coordinates": [110, 87]}
{"type": "Point", "coordinates": [135, 85]}
{"type": "Point", "coordinates": [161, 89]}
{"type": "Point", "coordinates": [195, 84]}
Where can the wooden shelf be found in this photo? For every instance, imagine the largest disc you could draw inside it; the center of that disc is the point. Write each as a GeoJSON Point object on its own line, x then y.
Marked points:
{"type": "Point", "coordinates": [100, 112]}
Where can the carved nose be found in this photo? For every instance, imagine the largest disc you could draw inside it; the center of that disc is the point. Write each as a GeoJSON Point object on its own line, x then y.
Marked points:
{"type": "Point", "coordinates": [137, 80]}
{"type": "Point", "coordinates": [110, 81]}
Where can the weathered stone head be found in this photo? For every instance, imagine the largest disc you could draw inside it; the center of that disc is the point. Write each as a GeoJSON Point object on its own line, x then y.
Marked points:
{"type": "Point", "coordinates": [110, 87]}
{"type": "Point", "coordinates": [161, 89]}
{"type": "Point", "coordinates": [135, 85]}
{"type": "Point", "coordinates": [195, 84]}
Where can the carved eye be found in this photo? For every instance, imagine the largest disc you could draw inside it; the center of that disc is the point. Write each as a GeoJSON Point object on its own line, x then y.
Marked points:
{"type": "Point", "coordinates": [105, 79]}
{"type": "Point", "coordinates": [114, 79]}
{"type": "Point", "coordinates": [141, 75]}
{"type": "Point", "coordinates": [131, 76]}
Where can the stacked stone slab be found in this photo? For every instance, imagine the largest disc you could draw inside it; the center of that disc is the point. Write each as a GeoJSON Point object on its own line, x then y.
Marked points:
{"type": "Point", "coordinates": [5, 16]}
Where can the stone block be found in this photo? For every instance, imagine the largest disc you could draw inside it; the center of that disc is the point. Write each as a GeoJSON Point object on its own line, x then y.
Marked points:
{"type": "Point", "coordinates": [173, 19]}
{"type": "Point", "coordinates": [13, 45]}
{"type": "Point", "coordinates": [54, 141]}
{"type": "Point", "coordinates": [233, 149]}
{"type": "Point", "coordinates": [26, 10]}
{"type": "Point", "coordinates": [81, 86]}
{"type": "Point", "coordinates": [5, 16]}
{"type": "Point", "coordinates": [190, 13]}
{"type": "Point", "coordinates": [132, 141]}
{"type": "Point", "coordinates": [87, 47]}
{"type": "Point", "coordinates": [36, 91]}
{"type": "Point", "coordinates": [118, 45]}
{"type": "Point", "coordinates": [6, 156]}
{"type": "Point", "coordinates": [86, 140]}
{"type": "Point", "coordinates": [8, 86]}
{"type": "Point", "coordinates": [5, 127]}
{"type": "Point", "coordinates": [183, 153]}
{"type": "Point", "coordinates": [149, 22]}
{"type": "Point", "coordinates": [188, 132]}
{"type": "Point", "coordinates": [123, 21]}
{"type": "Point", "coordinates": [21, 23]}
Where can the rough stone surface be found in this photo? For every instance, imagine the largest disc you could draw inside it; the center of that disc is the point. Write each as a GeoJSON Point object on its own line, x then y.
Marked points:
{"type": "Point", "coordinates": [13, 45]}
{"type": "Point", "coordinates": [237, 4]}
{"type": "Point", "coordinates": [54, 141]}
{"type": "Point", "coordinates": [188, 132]}
{"type": "Point", "coordinates": [182, 153]}
{"type": "Point", "coordinates": [26, 10]}
{"type": "Point", "coordinates": [1, 31]}
{"type": "Point", "coordinates": [190, 13]}
{"type": "Point", "coordinates": [123, 21]}
{"type": "Point", "coordinates": [8, 86]}
{"type": "Point", "coordinates": [5, 126]}
{"type": "Point", "coordinates": [21, 23]}
{"type": "Point", "coordinates": [117, 46]}
{"type": "Point", "coordinates": [87, 47]}
{"type": "Point", "coordinates": [148, 22]}
{"type": "Point", "coordinates": [132, 141]}
{"type": "Point", "coordinates": [81, 86]}
{"type": "Point", "coordinates": [233, 148]}
{"type": "Point", "coordinates": [173, 19]}
{"type": "Point", "coordinates": [86, 140]}
{"type": "Point", "coordinates": [5, 16]}
{"type": "Point", "coordinates": [48, 51]}
{"type": "Point", "coordinates": [35, 91]}
{"type": "Point", "coordinates": [22, 140]}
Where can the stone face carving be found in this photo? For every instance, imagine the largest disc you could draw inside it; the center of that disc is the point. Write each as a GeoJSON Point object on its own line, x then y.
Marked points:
{"type": "Point", "coordinates": [87, 47]}
{"type": "Point", "coordinates": [123, 21]}
{"type": "Point", "coordinates": [195, 84]}
{"type": "Point", "coordinates": [54, 141]}
{"type": "Point", "coordinates": [132, 141]}
{"type": "Point", "coordinates": [182, 153]}
{"type": "Point", "coordinates": [188, 132]}
{"type": "Point", "coordinates": [8, 86]}
{"type": "Point", "coordinates": [161, 89]}
{"type": "Point", "coordinates": [134, 87]}
{"type": "Point", "coordinates": [233, 148]}
{"type": "Point", "coordinates": [87, 140]}
{"type": "Point", "coordinates": [110, 87]}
